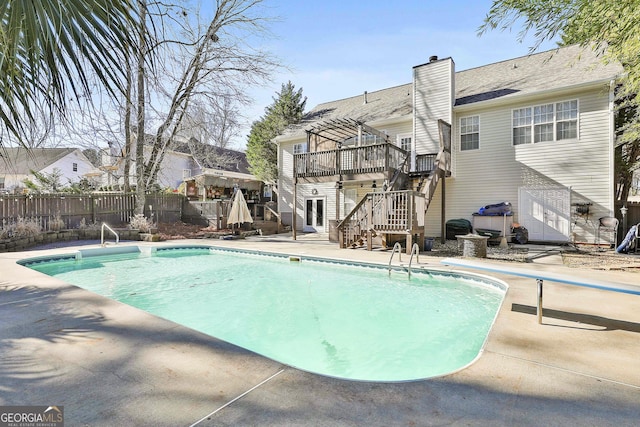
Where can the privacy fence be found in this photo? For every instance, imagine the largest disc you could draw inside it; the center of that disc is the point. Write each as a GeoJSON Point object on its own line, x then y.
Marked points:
{"type": "Point", "coordinates": [75, 210]}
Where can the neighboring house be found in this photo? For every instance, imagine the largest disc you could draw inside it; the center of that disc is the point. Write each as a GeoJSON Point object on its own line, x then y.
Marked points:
{"type": "Point", "coordinates": [218, 171]}
{"type": "Point", "coordinates": [16, 165]}
{"type": "Point", "coordinates": [535, 131]}
{"type": "Point", "coordinates": [176, 167]}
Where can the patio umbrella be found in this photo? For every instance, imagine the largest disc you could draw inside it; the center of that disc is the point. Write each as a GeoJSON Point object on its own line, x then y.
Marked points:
{"type": "Point", "coordinates": [239, 212]}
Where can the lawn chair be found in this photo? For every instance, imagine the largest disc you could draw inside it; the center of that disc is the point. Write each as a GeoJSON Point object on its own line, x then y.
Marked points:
{"type": "Point", "coordinates": [608, 224]}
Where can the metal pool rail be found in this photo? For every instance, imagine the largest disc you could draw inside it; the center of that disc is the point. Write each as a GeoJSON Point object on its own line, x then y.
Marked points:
{"type": "Point", "coordinates": [104, 225]}
{"type": "Point", "coordinates": [540, 276]}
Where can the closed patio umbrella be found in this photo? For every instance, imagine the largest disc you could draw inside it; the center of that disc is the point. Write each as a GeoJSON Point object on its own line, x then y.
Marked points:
{"type": "Point", "coordinates": [239, 212]}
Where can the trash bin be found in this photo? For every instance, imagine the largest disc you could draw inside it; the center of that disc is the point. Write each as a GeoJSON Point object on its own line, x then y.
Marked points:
{"type": "Point", "coordinates": [428, 244]}
{"type": "Point", "coordinates": [457, 227]}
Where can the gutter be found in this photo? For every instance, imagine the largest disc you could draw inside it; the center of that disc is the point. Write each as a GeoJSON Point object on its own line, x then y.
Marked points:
{"type": "Point", "coordinates": [509, 99]}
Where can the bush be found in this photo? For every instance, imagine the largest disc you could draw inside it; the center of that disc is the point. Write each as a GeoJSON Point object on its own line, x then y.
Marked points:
{"type": "Point", "coordinates": [56, 223]}
{"type": "Point", "coordinates": [23, 227]}
{"type": "Point", "coordinates": [140, 222]}
{"type": "Point", "coordinates": [91, 226]}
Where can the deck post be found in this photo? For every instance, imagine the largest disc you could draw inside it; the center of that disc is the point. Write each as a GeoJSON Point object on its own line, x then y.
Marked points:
{"type": "Point", "coordinates": [539, 305]}
{"type": "Point", "coordinates": [294, 222]}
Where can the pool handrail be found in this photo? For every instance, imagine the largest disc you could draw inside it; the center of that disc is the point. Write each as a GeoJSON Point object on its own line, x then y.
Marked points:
{"type": "Point", "coordinates": [393, 251]}
{"type": "Point", "coordinates": [415, 249]}
{"type": "Point", "coordinates": [540, 276]}
{"type": "Point", "coordinates": [104, 225]}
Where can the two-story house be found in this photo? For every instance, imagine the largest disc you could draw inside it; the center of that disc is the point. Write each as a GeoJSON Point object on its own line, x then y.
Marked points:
{"type": "Point", "coordinates": [17, 164]}
{"type": "Point", "coordinates": [536, 131]}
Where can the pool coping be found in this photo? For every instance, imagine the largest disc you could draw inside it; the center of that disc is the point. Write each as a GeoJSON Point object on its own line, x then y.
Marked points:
{"type": "Point", "coordinates": [149, 250]}
{"type": "Point", "coordinates": [576, 368]}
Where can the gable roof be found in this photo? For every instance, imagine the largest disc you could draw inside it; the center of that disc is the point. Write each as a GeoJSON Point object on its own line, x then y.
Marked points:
{"type": "Point", "coordinates": [553, 69]}
{"type": "Point", "coordinates": [212, 157]}
{"type": "Point", "coordinates": [20, 161]}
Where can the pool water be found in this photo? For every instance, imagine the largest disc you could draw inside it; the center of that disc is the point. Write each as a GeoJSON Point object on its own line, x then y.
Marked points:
{"type": "Point", "coordinates": [328, 318]}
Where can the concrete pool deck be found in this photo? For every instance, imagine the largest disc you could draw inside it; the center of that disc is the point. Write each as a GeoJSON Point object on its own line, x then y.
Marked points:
{"type": "Point", "coordinates": [110, 364]}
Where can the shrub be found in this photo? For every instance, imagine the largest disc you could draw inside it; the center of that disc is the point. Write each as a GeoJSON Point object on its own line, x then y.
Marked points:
{"type": "Point", "coordinates": [140, 222]}
{"type": "Point", "coordinates": [56, 223]}
{"type": "Point", "coordinates": [22, 227]}
{"type": "Point", "coordinates": [91, 226]}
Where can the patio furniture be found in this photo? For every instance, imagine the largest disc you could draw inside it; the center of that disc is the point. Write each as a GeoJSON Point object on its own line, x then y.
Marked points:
{"type": "Point", "coordinates": [607, 224]}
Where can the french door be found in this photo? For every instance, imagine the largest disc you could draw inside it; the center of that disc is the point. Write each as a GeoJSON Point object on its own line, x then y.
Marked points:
{"type": "Point", "coordinates": [314, 215]}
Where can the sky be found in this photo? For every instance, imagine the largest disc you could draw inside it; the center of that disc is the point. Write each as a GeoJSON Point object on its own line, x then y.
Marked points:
{"type": "Point", "coordinates": [335, 49]}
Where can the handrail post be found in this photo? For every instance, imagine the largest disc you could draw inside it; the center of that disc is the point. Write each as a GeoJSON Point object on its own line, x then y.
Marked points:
{"type": "Point", "coordinates": [414, 249]}
{"type": "Point", "coordinates": [539, 282]}
{"type": "Point", "coordinates": [104, 225]}
{"type": "Point", "coordinates": [393, 251]}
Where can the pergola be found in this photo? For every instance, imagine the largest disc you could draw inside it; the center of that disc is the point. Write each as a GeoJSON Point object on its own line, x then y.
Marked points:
{"type": "Point", "coordinates": [339, 130]}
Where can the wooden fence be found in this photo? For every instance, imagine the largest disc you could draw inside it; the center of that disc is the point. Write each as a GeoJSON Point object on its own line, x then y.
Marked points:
{"type": "Point", "coordinates": [632, 217]}
{"type": "Point", "coordinates": [74, 209]}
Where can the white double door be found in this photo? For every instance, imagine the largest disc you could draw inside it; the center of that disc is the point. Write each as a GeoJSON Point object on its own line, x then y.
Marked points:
{"type": "Point", "coordinates": [545, 213]}
{"type": "Point", "coordinates": [315, 215]}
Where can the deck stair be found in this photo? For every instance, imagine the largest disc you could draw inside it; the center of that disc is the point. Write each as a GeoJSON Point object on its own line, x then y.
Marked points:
{"type": "Point", "coordinates": [399, 212]}
{"type": "Point", "coordinates": [382, 213]}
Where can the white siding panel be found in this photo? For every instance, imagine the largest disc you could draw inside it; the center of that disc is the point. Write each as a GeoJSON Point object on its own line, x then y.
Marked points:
{"type": "Point", "coordinates": [494, 173]}
{"type": "Point", "coordinates": [433, 100]}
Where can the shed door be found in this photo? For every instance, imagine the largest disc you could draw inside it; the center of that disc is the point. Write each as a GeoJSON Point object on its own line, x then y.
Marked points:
{"type": "Point", "coordinates": [545, 213]}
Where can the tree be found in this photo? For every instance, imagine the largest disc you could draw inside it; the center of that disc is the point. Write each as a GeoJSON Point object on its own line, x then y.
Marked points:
{"type": "Point", "coordinates": [48, 182]}
{"type": "Point", "coordinates": [49, 50]}
{"type": "Point", "coordinates": [208, 61]}
{"type": "Point", "coordinates": [287, 108]}
{"type": "Point", "coordinates": [609, 27]}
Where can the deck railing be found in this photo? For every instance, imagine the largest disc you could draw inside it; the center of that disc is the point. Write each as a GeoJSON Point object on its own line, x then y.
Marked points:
{"type": "Point", "coordinates": [425, 162]}
{"type": "Point", "coordinates": [392, 212]}
{"type": "Point", "coordinates": [350, 160]}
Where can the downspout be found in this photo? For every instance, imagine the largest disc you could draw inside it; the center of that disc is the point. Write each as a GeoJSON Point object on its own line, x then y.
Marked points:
{"type": "Point", "coordinates": [612, 142]}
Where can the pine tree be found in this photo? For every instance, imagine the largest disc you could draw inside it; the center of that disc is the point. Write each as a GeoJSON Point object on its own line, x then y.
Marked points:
{"type": "Point", "coordinates": [287, 108]}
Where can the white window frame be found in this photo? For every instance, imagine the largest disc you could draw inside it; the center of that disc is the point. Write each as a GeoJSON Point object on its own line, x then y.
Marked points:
{"type": "Point", "coordinates": [469, 129]}
{"type": "Point", "coordinates": [74, 166]}
{"type": "Point", "coordinates": [404, 136]}
{"type": "Point", "coordinates": [567, 120]}
{"type": "Point", "coordinates": [300, 148]}
{"type": "Point", "coordinates": [349, 200]}
{"type": "Point", "coordinates": [541, 122]}
{"type": "Point", "coordinates": [186, 173]}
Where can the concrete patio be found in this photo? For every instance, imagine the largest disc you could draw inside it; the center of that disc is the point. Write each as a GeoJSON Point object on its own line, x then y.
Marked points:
{"type": "Point", "coordinates": [110, 364]}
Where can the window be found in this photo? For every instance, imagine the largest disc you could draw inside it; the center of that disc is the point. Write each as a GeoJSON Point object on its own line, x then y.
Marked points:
{"type": "Point", "coordinates": [186, 173]}
{"type": "Point", "coordinates": [522, 126]}
{"type": "Point", "coordinates": [543, 123]}
{"type": "Point", "coordinates": [300, 148]}
{"type": "Point", "coordinates": [469, 133]}
{"type": "Point", "coordinates": [547, 122]}
{"type": "Point", "coordinates": [75, 167]}
{"type": "Point", "coordinates": [567, 120]}
{"type": "Point", "coordinates": [404, 142]}
{"type": "Point", "coordinates": [350, 196]}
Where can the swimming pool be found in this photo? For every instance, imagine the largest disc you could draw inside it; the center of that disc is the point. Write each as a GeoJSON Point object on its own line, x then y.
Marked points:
{"type": "Point", "coordinates": [324, 316]}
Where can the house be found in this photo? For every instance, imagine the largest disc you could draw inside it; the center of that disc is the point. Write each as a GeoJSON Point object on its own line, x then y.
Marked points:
{"type": "Point", "coordinates": [214, 174]}
{"type": "Point", "coordinates": [398, 163]}
{"type": "Point", "coordinates": [176, 167]}
{"type": "Point", "coordinates": [17, 164]}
